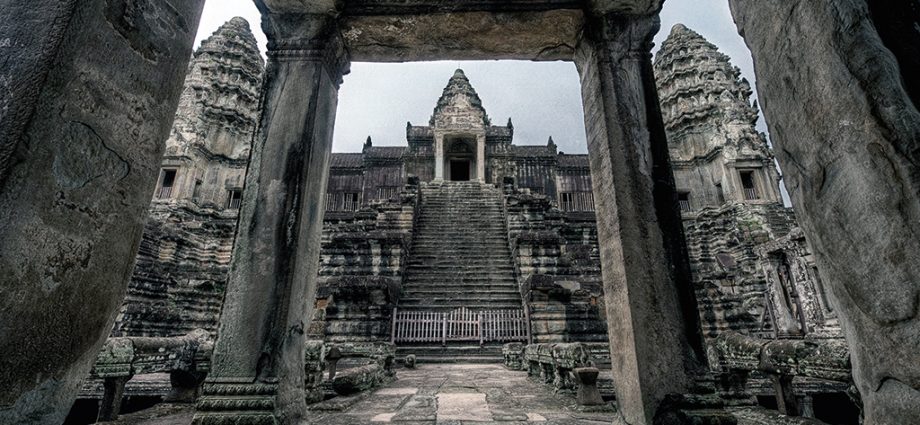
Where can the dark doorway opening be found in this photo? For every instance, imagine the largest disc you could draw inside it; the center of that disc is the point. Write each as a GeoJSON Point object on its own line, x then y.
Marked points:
{"type": "Point", "coordinates": [460, 171]}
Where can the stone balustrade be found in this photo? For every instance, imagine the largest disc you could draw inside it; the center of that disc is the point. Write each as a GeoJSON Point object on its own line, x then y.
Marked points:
{"type": "Point", "coordinates": [567, 366]}
{"type": "Point", "coordinates": [782, 360]}
{"type": "Point", "coordinates": [186, 358]}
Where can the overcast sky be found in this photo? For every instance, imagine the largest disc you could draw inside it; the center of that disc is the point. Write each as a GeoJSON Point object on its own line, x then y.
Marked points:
{"type": "Point", "coordinates": [542, 98]}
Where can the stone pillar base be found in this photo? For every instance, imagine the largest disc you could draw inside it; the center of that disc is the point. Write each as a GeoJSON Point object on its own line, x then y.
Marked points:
{"type": "Point", "coordinates": [227, 403]}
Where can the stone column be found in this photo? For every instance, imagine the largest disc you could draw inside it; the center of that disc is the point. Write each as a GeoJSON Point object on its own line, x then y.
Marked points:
{"type": "Point", "coordinates": [847, 135]}
{"type": "Point", "coordinates": [90, 88]}
{"type": "Point", "coordinates": [651, 311]}
{"type": "Point", "coordinates": [258, 366]}
{"type": "Point", "coordinates": [481, 158]}
{"type": "Point", "coordinates": [438, 157]}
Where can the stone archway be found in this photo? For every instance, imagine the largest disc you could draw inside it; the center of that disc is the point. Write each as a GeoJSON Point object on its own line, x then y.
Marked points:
{"type": "Point", "coordinates": [653, 327]}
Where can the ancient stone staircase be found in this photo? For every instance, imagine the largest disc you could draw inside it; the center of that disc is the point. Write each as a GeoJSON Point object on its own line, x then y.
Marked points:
{"type": "Point", "coordinates": [460, 258]}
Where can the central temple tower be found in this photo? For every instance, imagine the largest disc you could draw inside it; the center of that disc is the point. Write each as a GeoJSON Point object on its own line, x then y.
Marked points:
{"type": "Point", "coordinates": [459, 125]}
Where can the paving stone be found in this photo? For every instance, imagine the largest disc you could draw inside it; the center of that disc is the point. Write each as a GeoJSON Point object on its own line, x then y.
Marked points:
{"type": "Point", "coordinates": [463, 406]}
{"type": "Point", "coordinates": [397, 391]}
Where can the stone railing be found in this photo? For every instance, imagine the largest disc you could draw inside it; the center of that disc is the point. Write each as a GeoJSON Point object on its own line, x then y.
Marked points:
{"type": "Point", "coordinates": [566, 366]}
{"type": "Point", "coordinates": [186, 358]}
{"type": "Point", "coordinates": [781, 361]}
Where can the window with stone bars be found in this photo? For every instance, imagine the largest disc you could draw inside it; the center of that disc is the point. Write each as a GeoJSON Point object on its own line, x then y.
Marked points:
{"type": "Point", "coordinates": [167, 181]}
{"type": "Point", "coordinates": [683, 199]}
{"type": "Point", "coordinates": [342, 201]}
{"type": "Point", "coordinates": [749, 185]}
{"type": "Point", "coordinates": [576, 201]}
{"type": "Point", "coordinates": [234, 198]}
{"type": "Point", "coordinates": [386, 192]}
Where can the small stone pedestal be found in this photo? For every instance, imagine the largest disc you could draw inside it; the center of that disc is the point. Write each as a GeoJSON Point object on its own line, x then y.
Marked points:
{"type": "Point", "coordinates": [588, 394]}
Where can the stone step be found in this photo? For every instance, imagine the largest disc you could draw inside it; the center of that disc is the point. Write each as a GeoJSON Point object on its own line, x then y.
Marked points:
{"type": "Point", "coordinates": [454, 275]}
{"type": "Point", "coordinates": [455, 268]}
{"type": "Point", "coordinates": [477, 282]}
{"type": "Point", "coordinates": [451, 353]}
{"type": "Point", "coordinates": [472, 290]}
{"type": "Point", "coordinates": [448, 241]}
{"type": "Point", "coordinates": [457, 273]}
{"type": "Point", "coordinates": [463, 349]}
{"type": "Point", "coordinates": [460, 284]}
{"type": "Point", "coordinates": [435, 259]}
{"type": "Point", "coordinates": [419, 291]}
{"type": "Point", "coordinates": [460, 255]}
{"type": "Point", "coordinates": [429, 281]}
{"type": "Point", "coordinates": [450, 238]}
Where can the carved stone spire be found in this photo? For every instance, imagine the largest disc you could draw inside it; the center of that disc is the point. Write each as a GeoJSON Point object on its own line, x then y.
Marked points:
{"type": "Point", "coordinates": [459, 105]}
{"type": "Point", "coordinates": [218, 110]}
{"type": "Point", "coordinates": [703, 93]}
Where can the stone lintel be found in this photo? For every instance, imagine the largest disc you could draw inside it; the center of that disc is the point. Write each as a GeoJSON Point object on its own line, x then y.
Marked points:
{"type": "Point", "coordinates": [532, 35]}
{"type": "Point", "coordinates": [625, 7]}
{"type": "Point", "coordinates": [419, 7]}
{"type": "Point", "coordinates": [320, 7]}
{"type": "Point", "coordinates": [422, 7]}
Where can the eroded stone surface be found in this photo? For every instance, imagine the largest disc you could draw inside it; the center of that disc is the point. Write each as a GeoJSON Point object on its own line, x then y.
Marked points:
{"type": "Point", "coordinates": [851, 166]}
{"type": "Point", "coordinates": [463, 393]}
{"type": "Point", "coordinates": [93, 90]}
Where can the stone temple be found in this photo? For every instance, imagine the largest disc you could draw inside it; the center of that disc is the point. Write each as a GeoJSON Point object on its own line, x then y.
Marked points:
{"type": "Point", "coordinates": [462, 276]}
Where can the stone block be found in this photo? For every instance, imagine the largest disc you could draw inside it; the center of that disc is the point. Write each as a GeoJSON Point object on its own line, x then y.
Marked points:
{"type": "Point", "coordinates": [357, 379]}
{"type": "Point", "coordinates": [513, 354]}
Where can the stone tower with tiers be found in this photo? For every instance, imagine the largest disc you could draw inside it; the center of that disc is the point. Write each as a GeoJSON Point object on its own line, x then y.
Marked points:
{"type": "Point", "coordinates": [753, 270]}
{"type": "Point", "coordinates": [716, 151]}
{"type": "Point", "coordinates": [184, 257]}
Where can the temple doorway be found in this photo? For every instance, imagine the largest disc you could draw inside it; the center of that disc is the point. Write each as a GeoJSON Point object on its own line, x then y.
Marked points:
{"type": "Point", "coordinates": [460, 170]}
{"type": "Point", "coordinates": [460, 161]}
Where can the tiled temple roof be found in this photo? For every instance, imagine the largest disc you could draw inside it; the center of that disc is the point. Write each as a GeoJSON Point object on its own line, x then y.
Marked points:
{"type": "Point", "coordinates": [347, 160]}
{"type": "Point", "coordinates": [385, 151]}
{"type": "Point", "coordinates": [533, 151]}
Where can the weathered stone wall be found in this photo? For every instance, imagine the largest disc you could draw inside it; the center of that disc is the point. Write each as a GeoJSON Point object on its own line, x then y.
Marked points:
{"type": "Point", "coordinates": [180, 272]}
{"type": "Point", "coordinates": [846, 130]}
{"type": "Point", "coordinates": [363, 257]}
{"type": "Point", "coordinates": [93, 86]}
{"type": "Point", "coordinates": [800, 302]}
{"type": "Point", "coordinates": [558, 269]}
{"type": "Point", "coordinates": [751, 267]}
{"type": "Point", "coordinates": [181, 268]}
{"type": "Point", "coordinates": [727, 271]}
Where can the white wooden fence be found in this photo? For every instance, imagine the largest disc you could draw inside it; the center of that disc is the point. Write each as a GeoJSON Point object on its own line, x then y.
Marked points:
{"type": "Point", "coordinates": [461, 324]}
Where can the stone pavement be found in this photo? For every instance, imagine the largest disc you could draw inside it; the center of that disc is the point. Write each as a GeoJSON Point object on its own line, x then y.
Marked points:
{"type": "Point", "coordinates": [448, 394]}
{"type": "Point", "coordinates": [463, 393]}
